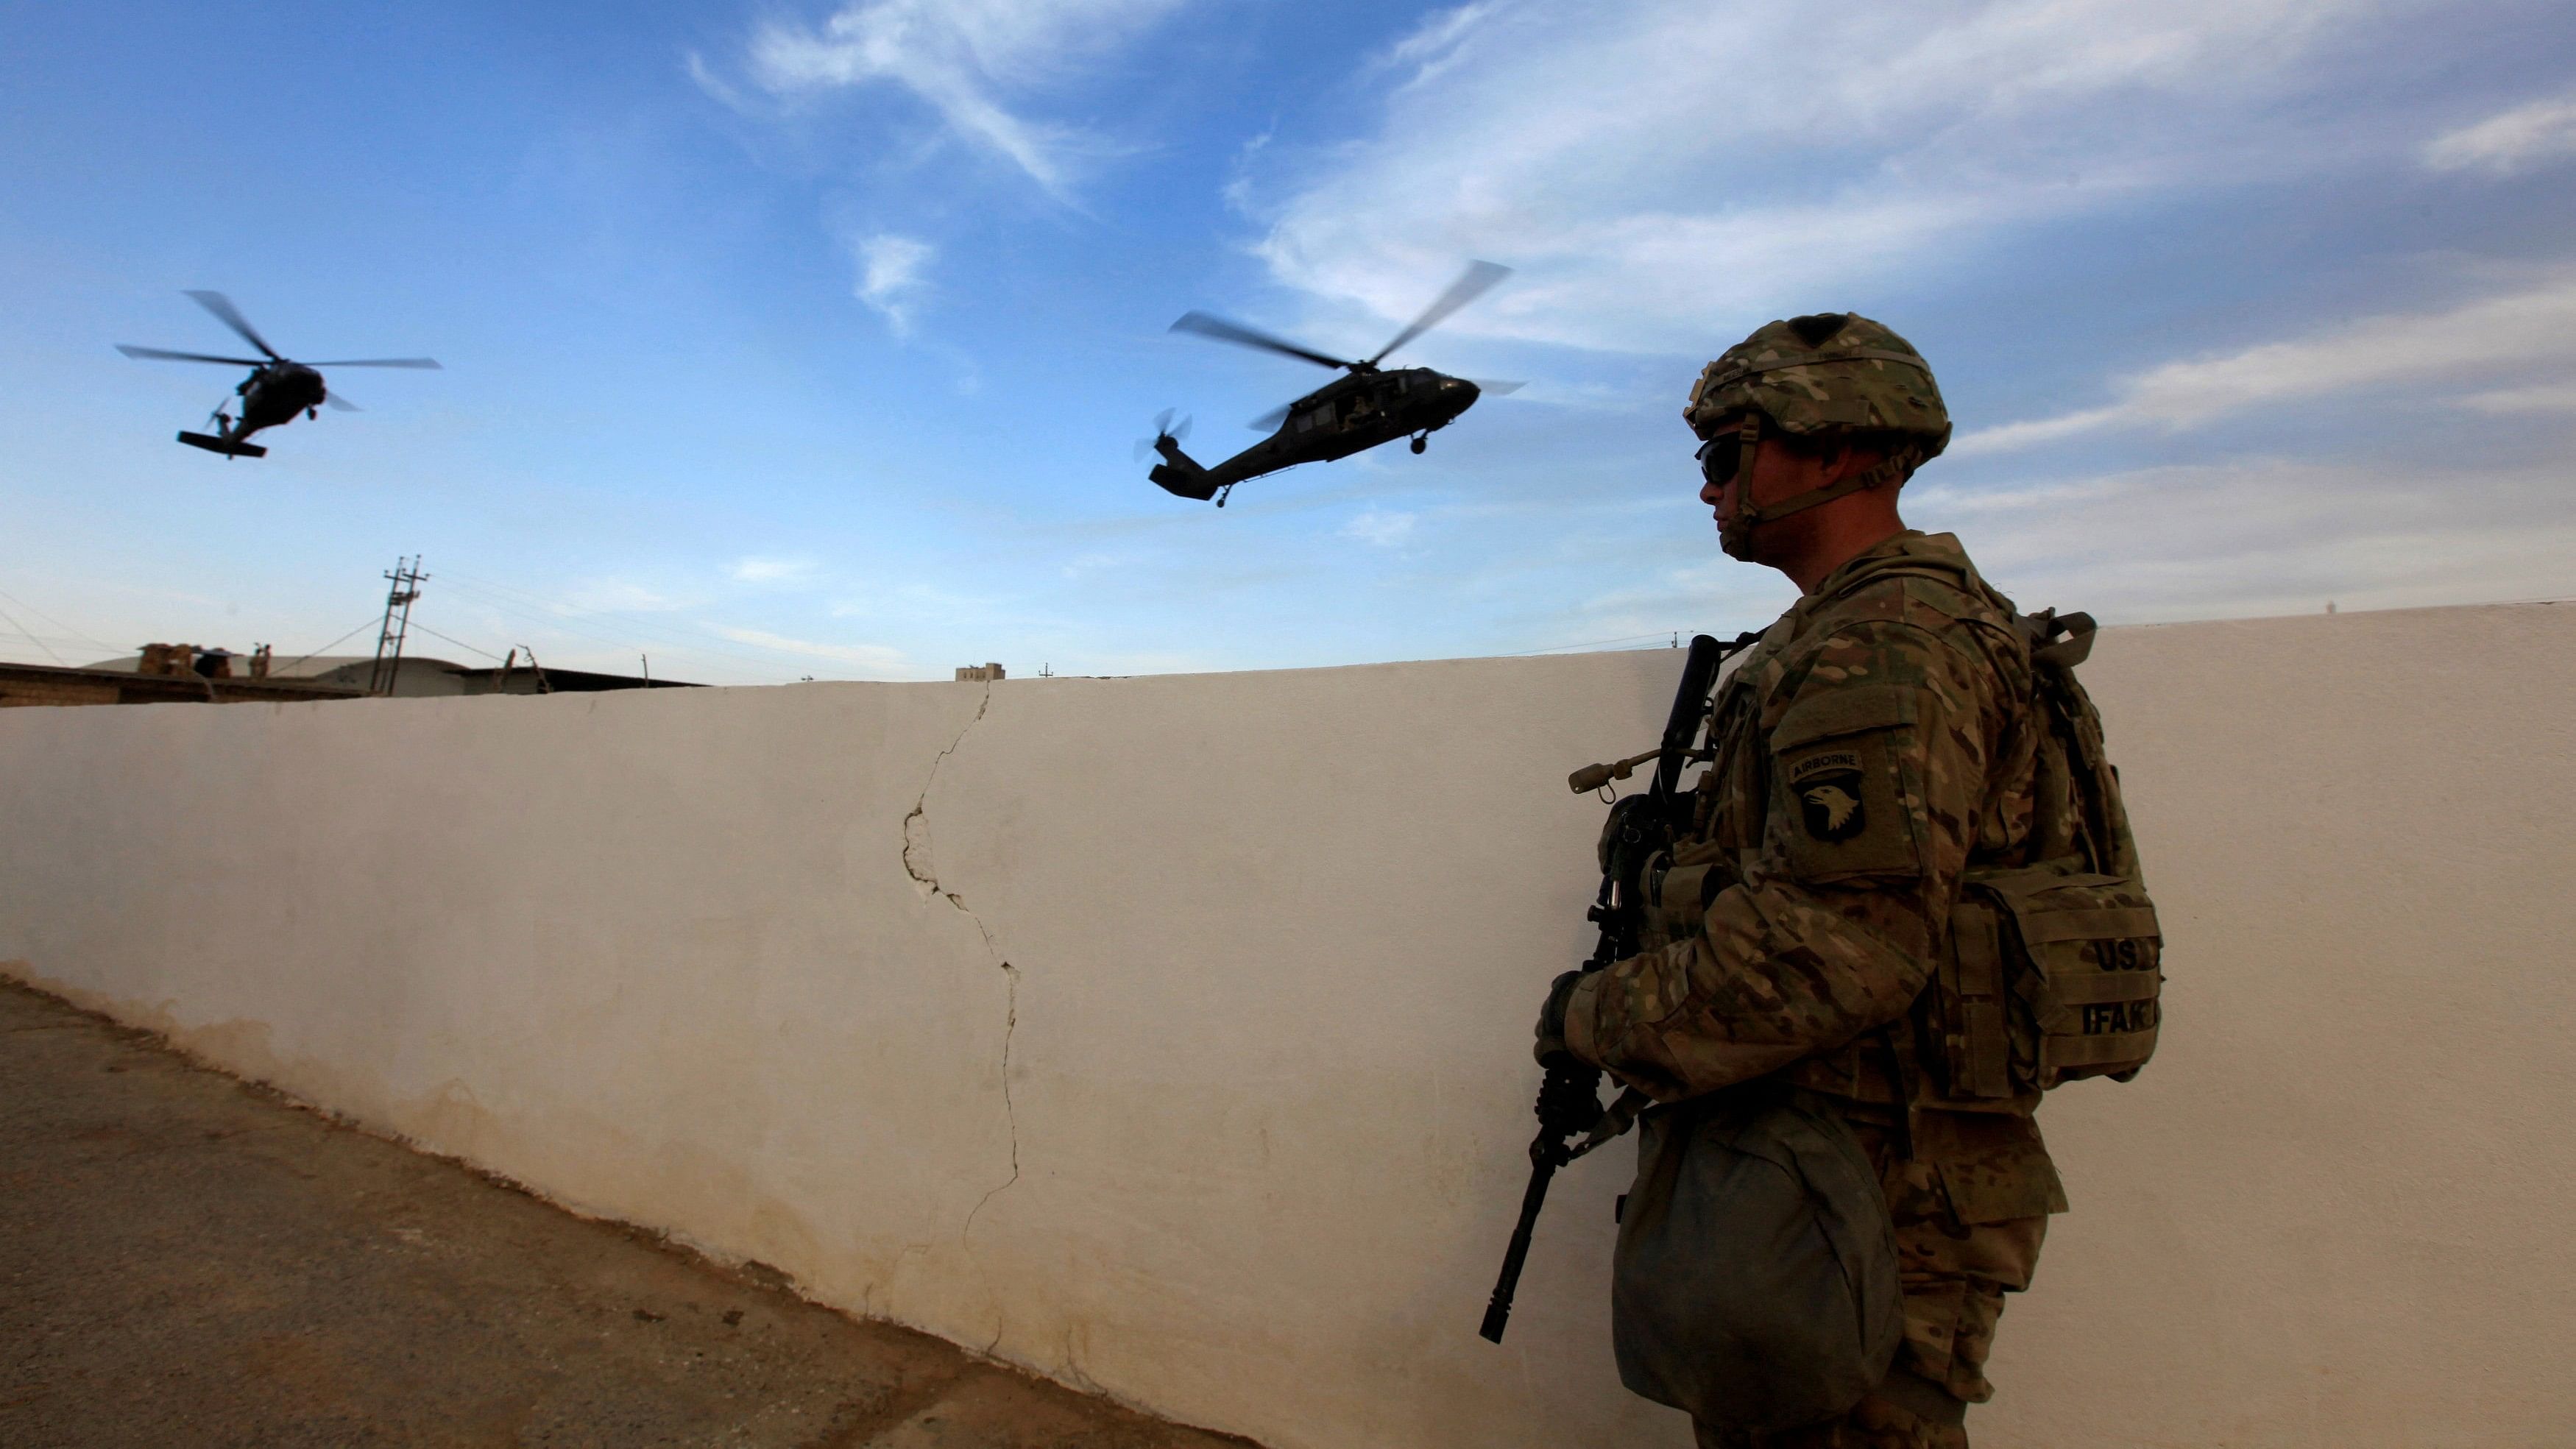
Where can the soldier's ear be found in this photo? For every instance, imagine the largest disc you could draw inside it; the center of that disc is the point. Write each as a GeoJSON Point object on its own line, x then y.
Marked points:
{"type": "Point", "coordinates": [1852, 458]}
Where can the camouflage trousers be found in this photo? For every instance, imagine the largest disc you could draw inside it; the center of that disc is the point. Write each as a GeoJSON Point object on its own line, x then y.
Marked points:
{"type": "Point", "coordinates": [1955, 1276]}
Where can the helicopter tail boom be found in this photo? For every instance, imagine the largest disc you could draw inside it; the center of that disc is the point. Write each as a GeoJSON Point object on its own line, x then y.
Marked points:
{"type": "Point", "coordinates": [1179, 473]}
{"type": "Point", "coordinates": [225, 446]}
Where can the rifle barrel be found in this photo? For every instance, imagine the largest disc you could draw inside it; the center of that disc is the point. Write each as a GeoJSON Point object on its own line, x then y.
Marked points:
{"type": "Point", "coordinates": [1498, 1309]}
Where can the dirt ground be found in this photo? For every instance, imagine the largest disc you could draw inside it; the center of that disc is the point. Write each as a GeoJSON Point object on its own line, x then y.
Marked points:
{"type": "Point", "coordinates": [189, 1260]}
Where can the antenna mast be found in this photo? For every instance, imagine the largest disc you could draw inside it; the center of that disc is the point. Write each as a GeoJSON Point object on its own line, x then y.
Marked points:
{"type": "Point", "coordinates": [407, 577]}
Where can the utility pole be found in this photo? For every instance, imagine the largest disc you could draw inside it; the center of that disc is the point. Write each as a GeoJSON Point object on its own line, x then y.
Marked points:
{"type": "Point", "coordinates": [407, 577]}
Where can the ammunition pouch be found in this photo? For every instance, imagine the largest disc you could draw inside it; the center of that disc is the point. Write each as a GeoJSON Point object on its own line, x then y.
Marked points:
{"type": "Point", "coordinates": [2051, 976]}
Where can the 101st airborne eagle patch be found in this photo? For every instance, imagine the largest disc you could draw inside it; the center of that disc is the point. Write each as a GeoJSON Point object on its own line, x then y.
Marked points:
{"type": "Point", "coordinates": [1828, 787]}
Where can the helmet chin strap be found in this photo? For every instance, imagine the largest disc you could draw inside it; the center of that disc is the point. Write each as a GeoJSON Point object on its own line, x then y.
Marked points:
{"type": "Point", "coordinates": [1736, 537]}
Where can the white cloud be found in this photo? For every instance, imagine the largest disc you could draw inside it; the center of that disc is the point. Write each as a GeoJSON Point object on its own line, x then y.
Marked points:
{"type": "Point", "coordinates": [880, 657]}
{"type": "Point", "coordinates": [1379, 528]}
{"type": "Point", "coordinates": [713, 84]}
{"type": "Point", "coordinates": [2240, 538]}
{"type": "Point", "coordinates": [771, 570]}
{"type": "Point", "coordinates": [2267, 536]}
{"type": "Point", "coordinates": [972, 61]}
{"type": "Point", "coordinates": [1670, 168]}
{"type": "Point", "coordinates": [2510, 335]}
{"type": "Point", "coordinates": [1237, 190]}
{"type": "Point", "coordinates": [2514, 140]}
{"type": "Point", "coordinates": [1431, 44]}
{"type": "Point", "coordinates": [2553, 397]}
{"type": "Point", "coordinates": [891, 276]}
{"type": "Point", "coordinates": [618, 596]}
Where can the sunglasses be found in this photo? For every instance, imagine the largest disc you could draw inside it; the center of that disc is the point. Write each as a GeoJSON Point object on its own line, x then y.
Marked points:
{"type": "Point", "coordinates": [1722, 455]}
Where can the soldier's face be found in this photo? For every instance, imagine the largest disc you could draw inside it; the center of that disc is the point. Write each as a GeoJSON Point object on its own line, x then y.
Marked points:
{"type": "Point", "coordinates": [1773, 474]}
{"type": "Point", "coordinates": [1724, 479]}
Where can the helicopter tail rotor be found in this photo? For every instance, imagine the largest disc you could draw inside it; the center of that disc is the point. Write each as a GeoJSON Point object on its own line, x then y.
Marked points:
{"type": "Point", "coordinates": [1164, 429]}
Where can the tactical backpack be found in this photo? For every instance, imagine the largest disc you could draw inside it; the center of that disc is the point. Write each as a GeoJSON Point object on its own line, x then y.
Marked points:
{"type": "Point", "coordinates": [2054, 968]}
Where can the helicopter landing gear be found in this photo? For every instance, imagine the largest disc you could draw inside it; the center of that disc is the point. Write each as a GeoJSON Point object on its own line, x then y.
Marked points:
{"type": "Point", "coordinates": [1222, 493]}
{"type": "Point", "coordinates": [1421, 441]}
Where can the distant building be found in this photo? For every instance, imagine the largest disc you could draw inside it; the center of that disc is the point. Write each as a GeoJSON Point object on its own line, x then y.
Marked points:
{"type": "Point", "coordinates": [419, 675]}
{"type": "Point", "coordinates": [979, 671]}
{"type": "Point", "coordinates": [31, 684]}
{"type": "Point", "coordinates": [178, 673]}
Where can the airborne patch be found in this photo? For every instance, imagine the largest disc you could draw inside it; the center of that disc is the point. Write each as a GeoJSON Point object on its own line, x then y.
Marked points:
{"type": "Point", "coordinates": [1828, 787]}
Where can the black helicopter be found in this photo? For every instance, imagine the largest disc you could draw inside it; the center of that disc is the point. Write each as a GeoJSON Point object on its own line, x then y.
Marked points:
{"type": "Point", "coordinates": [277, 389]}
{"type": "Point", "coordinates": [1345, 416]}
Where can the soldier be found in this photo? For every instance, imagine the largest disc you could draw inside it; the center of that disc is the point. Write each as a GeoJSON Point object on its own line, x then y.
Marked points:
{"type": "Point", "coordinates": [1876, 743]}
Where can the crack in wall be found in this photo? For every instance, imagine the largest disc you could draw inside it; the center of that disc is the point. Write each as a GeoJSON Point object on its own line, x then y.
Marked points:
{"type": "Point", "coordinates": [1010, 1028]}
{"type": "Point", "coordinates": [924, 876]}
{"type": "Point", "coordinates": [918, 864]}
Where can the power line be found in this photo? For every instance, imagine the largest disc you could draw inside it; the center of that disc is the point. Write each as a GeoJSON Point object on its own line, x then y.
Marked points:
{"type": "Point", "coordinates": [684, 635]}
{"type": "Point", "coordinates": [552, 615]}
{"type": "Point", "coordinates": [1593, 644]}
{"type": "Point", "coordinates": [459, 643]}
{"type": "Point", "coordinates": [625, 626]}
{"type": "Point", "coordinates": [68, 630]}
{"type": "Point", "coordinates": [368, 623]}
{"type": "Point", "coordinates": [42, 639]}
{"type": "Point", "coordinates": [558, 623]}
{"type": "Point", "coordinates": [39, 643]}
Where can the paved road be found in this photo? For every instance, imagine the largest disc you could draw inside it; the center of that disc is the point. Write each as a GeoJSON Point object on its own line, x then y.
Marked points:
{"type": "Point", "coordinates": [186, 1260]}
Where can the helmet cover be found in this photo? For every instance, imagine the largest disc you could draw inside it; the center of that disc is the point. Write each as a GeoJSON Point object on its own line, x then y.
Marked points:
{"type": "Point", "coordinates": [1819, 375]}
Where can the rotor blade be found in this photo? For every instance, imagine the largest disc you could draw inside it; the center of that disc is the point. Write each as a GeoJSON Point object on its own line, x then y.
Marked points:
{"type": "Point", "coordinates": [1162, 429]}
{"type": "Point", "coordinates": [333, 399]}
{"type": "Point", "coordinates": [168, 356]}
{"type": "Point", "coordinates": [1269, 422]}
{"type": "Point", "coordinates": [1477, 280]}
{"type": "Point", "coordinates": [430, 362]}
{"type": "Point", "coordinates": [1496, 389]}
{"type": "Point", "coordinates": [226, 313]}
{"type": "Point", "coordinates": [1235, 332]}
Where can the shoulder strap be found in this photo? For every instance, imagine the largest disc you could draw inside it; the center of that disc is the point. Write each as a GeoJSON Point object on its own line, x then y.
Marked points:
{"type": "Point", "coordinates": [2042, 630]}
{"type": "Point", "coordinates": [2058, 644]}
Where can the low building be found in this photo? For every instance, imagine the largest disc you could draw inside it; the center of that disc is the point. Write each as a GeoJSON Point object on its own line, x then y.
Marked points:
{"type": "Point", "coordinates": [26, 684]}
{"type": "Point", "coordinates": [180, 672]}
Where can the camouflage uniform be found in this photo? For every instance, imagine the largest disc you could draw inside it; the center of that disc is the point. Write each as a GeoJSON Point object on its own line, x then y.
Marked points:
{"type": "Point", "coordinates": [1878, 740]}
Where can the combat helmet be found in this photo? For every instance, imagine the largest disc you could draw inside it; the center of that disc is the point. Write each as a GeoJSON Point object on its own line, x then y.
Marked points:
{"type": "Point", "coordinates": [1813, 377]}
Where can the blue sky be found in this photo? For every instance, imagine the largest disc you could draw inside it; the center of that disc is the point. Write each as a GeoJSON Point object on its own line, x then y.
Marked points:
{"type": "Point", "coordinates": [785, 339]}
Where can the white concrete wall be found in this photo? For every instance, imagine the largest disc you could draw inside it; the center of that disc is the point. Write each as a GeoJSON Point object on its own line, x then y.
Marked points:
{"type": "Point", "coordinates": [1200, 1074]}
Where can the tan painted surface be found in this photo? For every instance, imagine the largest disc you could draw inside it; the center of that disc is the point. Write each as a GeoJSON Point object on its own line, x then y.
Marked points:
{"type": "Point", "coordinates": [1194, 1068]}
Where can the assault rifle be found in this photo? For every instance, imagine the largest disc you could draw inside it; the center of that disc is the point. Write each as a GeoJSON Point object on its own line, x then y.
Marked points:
{"type": "Point", "coordinates": [1641, 827]}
